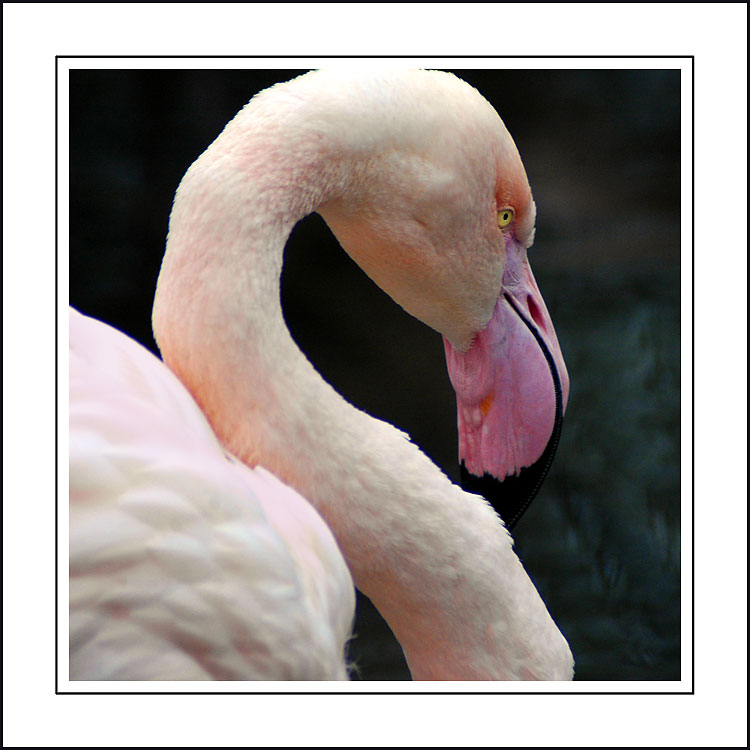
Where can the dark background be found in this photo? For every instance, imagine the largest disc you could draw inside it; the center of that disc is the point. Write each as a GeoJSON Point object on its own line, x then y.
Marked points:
{"type": "Point", "coordinates": [602, 152]}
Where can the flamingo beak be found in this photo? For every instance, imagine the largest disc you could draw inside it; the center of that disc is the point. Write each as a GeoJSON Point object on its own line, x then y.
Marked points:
{"type": "Point", "coordinates": [511, 390]}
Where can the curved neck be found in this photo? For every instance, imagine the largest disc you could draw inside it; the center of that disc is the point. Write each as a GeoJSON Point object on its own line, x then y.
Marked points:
{"type": "Point", "coordinates": [435, 561]}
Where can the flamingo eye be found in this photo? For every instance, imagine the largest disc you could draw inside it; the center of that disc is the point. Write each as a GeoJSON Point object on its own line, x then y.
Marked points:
{"type": "Point", "coordinates": [505, 217]}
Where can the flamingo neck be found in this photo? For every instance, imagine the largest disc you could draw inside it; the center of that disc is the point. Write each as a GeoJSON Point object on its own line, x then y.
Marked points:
{"type": "Point", "coordinates": [435, 561]}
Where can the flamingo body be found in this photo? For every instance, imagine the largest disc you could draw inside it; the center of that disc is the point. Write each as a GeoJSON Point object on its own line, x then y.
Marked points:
{"type": "Point", "coordinates": [185, 563]}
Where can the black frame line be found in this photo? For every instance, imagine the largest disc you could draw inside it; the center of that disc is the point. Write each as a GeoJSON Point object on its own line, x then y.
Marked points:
{"type": "Point", "coordinates": [375, 57]}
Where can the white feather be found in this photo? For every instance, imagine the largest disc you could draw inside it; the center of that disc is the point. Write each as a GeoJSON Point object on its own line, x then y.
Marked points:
{"type": "Point", "coordinates": [185, 563]}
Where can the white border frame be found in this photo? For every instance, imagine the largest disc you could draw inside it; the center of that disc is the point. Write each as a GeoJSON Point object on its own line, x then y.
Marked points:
{"type": "Point", "coordinates": [684, 685]}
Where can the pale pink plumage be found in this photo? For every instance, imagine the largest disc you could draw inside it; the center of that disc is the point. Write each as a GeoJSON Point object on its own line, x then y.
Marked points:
{"type": "Point", "coordinates": [184, 563]}
{"type": "Point", "coordinates": [408, 168]}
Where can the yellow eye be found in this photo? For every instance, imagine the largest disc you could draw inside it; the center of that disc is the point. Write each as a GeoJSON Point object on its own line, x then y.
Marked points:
{"type": "Point", "coordinates": [505, 217]}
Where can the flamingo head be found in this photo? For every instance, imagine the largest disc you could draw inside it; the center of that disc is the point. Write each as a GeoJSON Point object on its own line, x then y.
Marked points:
{"type": "Point", "coordinates": [438, 211]}
{"type": "Point", "coordinates": [422, 184]}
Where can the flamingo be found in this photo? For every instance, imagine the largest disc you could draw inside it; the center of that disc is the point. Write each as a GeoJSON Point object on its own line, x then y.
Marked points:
{"type": "Point", "coordinates": [225, 501]}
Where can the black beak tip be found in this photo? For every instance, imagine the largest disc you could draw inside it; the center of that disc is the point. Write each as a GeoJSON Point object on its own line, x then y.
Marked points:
{"type": "Point", "coordinates": [511, 496]}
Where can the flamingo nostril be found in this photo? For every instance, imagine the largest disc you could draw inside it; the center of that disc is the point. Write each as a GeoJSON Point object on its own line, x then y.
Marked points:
{"type": "Point", "coordinates": [536, 313]}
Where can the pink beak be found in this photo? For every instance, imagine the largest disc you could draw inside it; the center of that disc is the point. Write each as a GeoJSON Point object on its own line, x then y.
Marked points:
{"type": "Point", "coordinates": [511, 390]}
